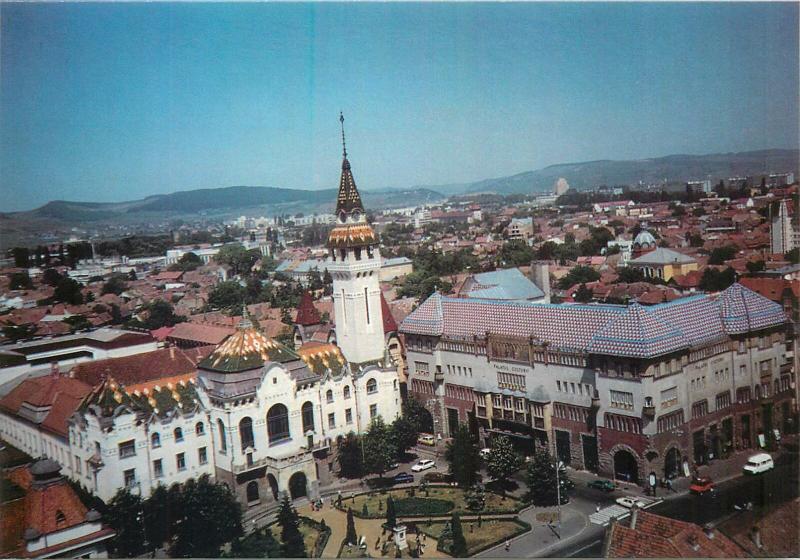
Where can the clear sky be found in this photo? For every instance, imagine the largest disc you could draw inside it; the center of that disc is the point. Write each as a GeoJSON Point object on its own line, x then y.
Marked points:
{"type": "Point", "coordinates": [114, 102]}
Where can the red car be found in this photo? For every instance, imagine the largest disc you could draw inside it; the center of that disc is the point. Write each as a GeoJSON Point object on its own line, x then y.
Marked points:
{"type": "Point", "coordinates": [701, 485]}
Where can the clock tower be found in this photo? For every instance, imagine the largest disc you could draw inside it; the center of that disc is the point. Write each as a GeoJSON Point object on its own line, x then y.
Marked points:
{"type": "Point", "coordinates": [355, 263]}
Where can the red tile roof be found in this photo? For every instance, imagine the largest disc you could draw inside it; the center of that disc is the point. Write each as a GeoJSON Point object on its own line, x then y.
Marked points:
{"type": "Point", "coordinates": [307, 314]}
{"type": "Point", "coordinates": [62, 394]}
{"type": "Point", "coordinates": [770, 288]}
{"type": "Point", "coordinates": [138, 368]}
{"type": "Point", "coordinates": [655, 536]}
{"type": "Point", "coordinates": [389, 324]}
{"type": "Point", "coordinates": [197, 333]}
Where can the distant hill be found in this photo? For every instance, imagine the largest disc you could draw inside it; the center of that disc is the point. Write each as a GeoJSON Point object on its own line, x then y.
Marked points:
{"type": "Point", "coordinates": [220, 200]}
{"type": "Point", "coordinates": [680, 168]}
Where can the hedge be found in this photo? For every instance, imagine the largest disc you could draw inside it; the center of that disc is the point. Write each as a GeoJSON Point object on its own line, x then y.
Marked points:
{"type": "Point", "coordinates": [405, 507]}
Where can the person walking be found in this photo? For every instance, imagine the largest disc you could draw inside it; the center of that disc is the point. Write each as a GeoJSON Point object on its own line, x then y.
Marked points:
{"type": "Point", "coordinates": [508, 546]}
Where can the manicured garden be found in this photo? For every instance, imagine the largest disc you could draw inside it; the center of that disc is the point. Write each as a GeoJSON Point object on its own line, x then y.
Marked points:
{"type": "Point", "coordinates": [438, 500]}
{"type": "Point", "coordinates": [479, 537]}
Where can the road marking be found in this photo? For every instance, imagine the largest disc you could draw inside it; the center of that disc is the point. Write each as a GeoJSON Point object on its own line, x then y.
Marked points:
{"type": "Point", "coordinates": [605, 515]}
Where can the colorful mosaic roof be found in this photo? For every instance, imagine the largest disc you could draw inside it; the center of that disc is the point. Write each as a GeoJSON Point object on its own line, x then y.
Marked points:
{"type": "Point", "coordinates": [352, 235]}
{"type": "Point", "coordinates": [633, 331]}
{"type": "Point", "coordinates": [348, 198]}
{"type": "Point", "coordinates": [247, 348]}
{"type": "Point", "coordinates": [321, 358]}
{"type": "Point", "coordinates": [159, 400]}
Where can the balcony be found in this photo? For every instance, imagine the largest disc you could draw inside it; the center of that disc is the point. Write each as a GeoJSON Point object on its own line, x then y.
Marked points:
{"type": "Point", "coordinates": [786, 368]}
{"type": "Point", "coordinates": [649, 408]}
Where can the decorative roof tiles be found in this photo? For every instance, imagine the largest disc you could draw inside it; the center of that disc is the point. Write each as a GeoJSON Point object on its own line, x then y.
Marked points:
{"type": "Point", "coordinates": [633, 331]}
{"type": "Point", "coordinates": [248, 348]}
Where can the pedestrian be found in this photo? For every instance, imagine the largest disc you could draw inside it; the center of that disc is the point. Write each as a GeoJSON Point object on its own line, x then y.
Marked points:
{"type": "Point", "coordinates": [669, 485]}
{"type": "Point", "coordinates": [597, 508]}
{"type": "Point", "coordinates": [508, 546]}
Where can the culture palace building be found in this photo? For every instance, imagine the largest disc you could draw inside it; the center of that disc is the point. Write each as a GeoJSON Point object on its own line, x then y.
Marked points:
{"type": "Point", "coordinates": [619, 390]}
{"type": "Point", "coordinates": [262, 417]}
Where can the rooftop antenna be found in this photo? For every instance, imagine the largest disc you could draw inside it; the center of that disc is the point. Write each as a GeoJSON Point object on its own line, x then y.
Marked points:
{"type": "Point", "coordinates": [344, 145]}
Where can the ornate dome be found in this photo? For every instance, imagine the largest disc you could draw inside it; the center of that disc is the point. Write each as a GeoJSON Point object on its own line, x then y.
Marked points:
{"type": "Point", "coordinates": [645, 239]}
{"type": "Point", "coordinates": [247, 348]}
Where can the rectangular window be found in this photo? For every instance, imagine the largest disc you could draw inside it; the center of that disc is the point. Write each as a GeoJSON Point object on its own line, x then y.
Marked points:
{"type": "Point", "coordinates": [366, 303]}
{"type": "Point", "coordinates": [422, 367]}
{"type": "Point", "coordinates": [127, 449]}
{"type": "Point", "coordinates": [723, 400]}
{"type": "Point", "coordinates": [180, 461]}
{"type": "Point", "coordinates": [202, 456]}
{"type": "Point", "coordinates": [743, 395]}
{"type": "Point", "coordinates": [670, 422]}
{"type": "Point", "coordinates": [130, 478]}
{"type": "Point", "coordinates": [348, 415]}
{"type": "Point", "coordinates": [621, 399]}
{"type": "Point", "coordinates": [669, 397]}
{"type": "Point", "coordinates": [497, 401]}
{"type": "Point", "coordinates": [78, 464]}
{"type": "Point", "coordinates": [158, 468]}
{"type": "Point", "coordinates": [331, 420]}
{"type": "Point", "coordinates": [700, 408]}
{"type": "Point", "coordinates": [373, 411]}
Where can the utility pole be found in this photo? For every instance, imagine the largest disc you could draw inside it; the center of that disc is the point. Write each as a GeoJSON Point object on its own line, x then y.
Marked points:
{"type": "Point", "coordinates": [558, 484]}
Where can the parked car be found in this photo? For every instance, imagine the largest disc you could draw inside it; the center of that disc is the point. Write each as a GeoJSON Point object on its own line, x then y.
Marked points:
{"type": "Point", "coordinates": [422, 465]}
{"type": "Point", "coordinates": [426, 439]}
{"type": "Point", "coordinates": [629, 502]}
{"type": "Point", "coordinates": [485, 452]}
{"type": "Point", "coordinates": [701, 485]}
{"type": "Point", "coordinates": [761, 462]}
{"type": "Point", "coordinates": [403, 478]}
{"type": "Point", "coordinates": [602, 484]}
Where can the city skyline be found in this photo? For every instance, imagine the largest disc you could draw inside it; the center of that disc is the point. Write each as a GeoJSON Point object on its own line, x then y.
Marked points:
{"type": "Point", "coordinates": [111, 103]}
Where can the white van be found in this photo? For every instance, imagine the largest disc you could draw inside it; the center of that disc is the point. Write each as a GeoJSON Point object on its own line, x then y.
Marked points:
{"type": "Point", "coordinates": [759, 463]}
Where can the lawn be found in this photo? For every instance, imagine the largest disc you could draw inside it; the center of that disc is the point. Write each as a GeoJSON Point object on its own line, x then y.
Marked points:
{"type": "Point", "coordinates": [490, 533]}
{"type": "Point", "coordinates": [440, 500]}
{"type": "Point", "coordinates": [313, 535]}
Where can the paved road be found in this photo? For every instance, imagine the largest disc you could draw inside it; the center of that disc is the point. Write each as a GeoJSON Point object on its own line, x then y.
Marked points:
{"type": "Point", "coordinates": [779, 485]}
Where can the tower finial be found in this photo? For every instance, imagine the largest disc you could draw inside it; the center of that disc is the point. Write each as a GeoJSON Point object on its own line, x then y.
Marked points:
{"type": "Point", "coordinates": [344, 145]}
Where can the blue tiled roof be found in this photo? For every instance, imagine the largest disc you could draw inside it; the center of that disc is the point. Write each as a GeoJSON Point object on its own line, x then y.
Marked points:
{"type": "Point", "coordinates": [507, 284]}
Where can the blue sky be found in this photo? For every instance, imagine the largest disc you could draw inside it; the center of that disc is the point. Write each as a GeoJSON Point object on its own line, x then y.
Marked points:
{"type": "Point", "coordinates": [113, 102]}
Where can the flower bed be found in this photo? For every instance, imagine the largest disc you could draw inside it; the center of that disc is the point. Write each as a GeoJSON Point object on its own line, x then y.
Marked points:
{"type": "Point", "coordinates": [440, 500]}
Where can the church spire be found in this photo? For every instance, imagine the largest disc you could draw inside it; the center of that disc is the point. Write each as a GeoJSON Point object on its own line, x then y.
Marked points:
{"type": "Point", "coordinates": [349, 200]}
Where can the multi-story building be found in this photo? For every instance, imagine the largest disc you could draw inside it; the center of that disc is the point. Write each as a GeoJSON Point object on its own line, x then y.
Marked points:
{"type": "Point", "coordinates": [783, 231]}
{"type": "Point", "coordinates": [520, 228]}
{"type": "Point", "coordinates": [619, 390]}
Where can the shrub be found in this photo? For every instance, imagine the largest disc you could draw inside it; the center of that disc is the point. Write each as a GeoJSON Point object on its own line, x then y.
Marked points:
{"type": "Point", "coordinates": [422, 506]}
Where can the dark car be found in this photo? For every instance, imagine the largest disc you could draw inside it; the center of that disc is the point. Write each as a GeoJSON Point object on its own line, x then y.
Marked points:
{"type": "Point", "coordinates": [604, 485]}
{"type": "Point", "coordinates": [403, 478]}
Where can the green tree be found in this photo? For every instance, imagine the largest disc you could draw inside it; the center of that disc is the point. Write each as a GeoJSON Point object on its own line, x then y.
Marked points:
{"type": "Point", "coordinates": [20, 281]}
{"type": "Point", "coordinates": [21, 257]}
{"type": "Point", "coordinates": [755, 266]}
{"type": "Point", "coordinates": [793, 256]}
{"type": "Point", "coordinates": [159, 517]}
{"type": "Point", "coordinates": [515, 253]}
{"type": "Point", "coordinates": [19, 332]}
{"type": "Point", "coordinates": [379, 449]}
{"type": "Point", "coordinates": [541, 475]}
{"type": "Point", "coordinates": [352, 536]}
{"type": "Point", "coordinates": [68, 291]}
{"type": "Point", "coordinates": [237, 257]}
{"type": "Point", "coordinates": [123, 515]}
{"type": "Point", "coordinates": [583, 294]}
{"type": "Point", "coordinates": [462, 457]}
{"type": "Point", "coordinates": [404, 435]}
{"type": "Point", "coordinates": [210, 517]}
{"type": "Point", "coordinates": [630, 274]}
{"type": "Point", "coordinates": [578, 275]}
{"type": "Point", "coordinates": [721, 255]}
{"type": "Point", "coordinates": [416, 412]}
{"type": "Point", "coordinates": [160, 313]}
{"type": "Point", "coordinates": [459, 547]}
{"type": "Point", "coordinates": [51, 277]}
{"type": "Point", "coordinates": [349, 457]}
{"type": "Point", "coordinates": [77, 323]}
{"type": "Point", "coordinates": [391, 514]}
{"type": "Point", "coordinates": [714, 280]}
{"type": "Point", "coordinates": [503, 460]}
{"type": "Point", "coordinates": [259, 544]}
{"type": "Point", "coordinates": [115, 285]}
{"type": "Point", "coordinates": [226, 295]}
{"type": "Point", "coordinates": [476, 498]}
{"type": "Point", "coordinates": [293, 545]}
{"type": "Point", "coordinates": [188, 261]}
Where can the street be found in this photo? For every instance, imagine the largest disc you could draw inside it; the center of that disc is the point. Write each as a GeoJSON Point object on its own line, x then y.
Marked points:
{"type": "Point", "coordinates": [770, 488]}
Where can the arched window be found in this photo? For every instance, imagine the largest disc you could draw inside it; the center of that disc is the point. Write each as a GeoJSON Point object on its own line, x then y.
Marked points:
{"type": "Point", "coordinates": [372, 386]}
{"type": "Point", "coordinates": [200, 429]}
{"type": "Point", "coordinates": [278, 423]}
{"type": "Point", "coordinates": [252, 492]}
{"type": "Point", "coordinates": [346, 391]}
{"type": "Point", "coordinates": [223, 443]}
{"type": "Point", "coordinates": [246, 432]}
{"type": "Point", "coordinates": [155, 440]}
{"type": "Point", "coordinates": [329, 396]}
{"type": "Point", "coordinates": [308, 417]}
{"type": "Point", "coordinates": [178, 435]}
{"type": "Point", "coordinates": [60, 517]}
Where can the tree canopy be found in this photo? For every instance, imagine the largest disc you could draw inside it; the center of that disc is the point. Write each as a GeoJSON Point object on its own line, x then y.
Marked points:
{"type": "Point", "coordinates": [462, 457]}
{"type": "Point", "coordinates": [503, 460]}
{"type": "Point", "coordinates": [379, 448]}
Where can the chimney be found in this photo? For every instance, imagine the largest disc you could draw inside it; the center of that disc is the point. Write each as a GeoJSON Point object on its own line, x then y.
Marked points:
{"type": "Point", "coordinates": [708, 529]}
{"type": "Point", "coordinates": [172, 353]}
{"type": "Point", "coordinates": [755, 535]}
{"type": "Point", "coordinates": [634, 515]}
{"type": "Point", "coordinates": [540, 275]}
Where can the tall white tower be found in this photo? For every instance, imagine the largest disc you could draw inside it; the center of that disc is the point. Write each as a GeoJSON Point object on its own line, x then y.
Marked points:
{"type": "Point", "coordinates": [354, 263]}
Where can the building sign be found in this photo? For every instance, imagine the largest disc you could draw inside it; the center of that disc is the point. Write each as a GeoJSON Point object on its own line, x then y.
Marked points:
{"type": "Point", "coordinates": [512, 369]}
